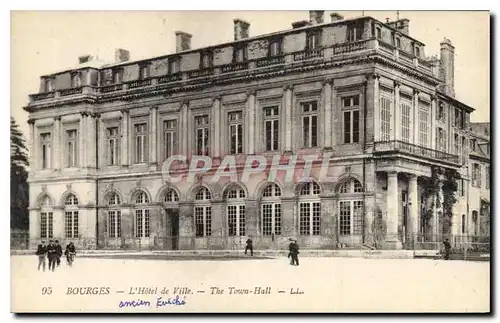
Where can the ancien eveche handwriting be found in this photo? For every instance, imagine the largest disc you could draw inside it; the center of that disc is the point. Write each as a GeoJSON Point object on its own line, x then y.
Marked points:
{"type": "Point", "coordinates": [160, 302]}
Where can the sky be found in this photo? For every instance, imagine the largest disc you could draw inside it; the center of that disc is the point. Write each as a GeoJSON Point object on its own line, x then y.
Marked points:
{"type": "Point", "coordinates": [44, 42]}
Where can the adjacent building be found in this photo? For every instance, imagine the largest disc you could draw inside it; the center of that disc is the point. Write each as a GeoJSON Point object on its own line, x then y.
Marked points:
{"type": "Point", "coordinates": [359, 94]}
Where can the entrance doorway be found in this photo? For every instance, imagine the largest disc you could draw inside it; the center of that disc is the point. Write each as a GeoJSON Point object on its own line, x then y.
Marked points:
{"type": "Point", "coordinates": [172, 228]}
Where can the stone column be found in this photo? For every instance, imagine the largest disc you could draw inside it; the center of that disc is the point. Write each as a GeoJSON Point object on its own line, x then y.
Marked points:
{"type": "Point", "coordinates": [392, 238]}
{"type": "Point", "coordinates": [250, 123]}
{"type": "Point", "coordinates": [153, 135]}
{"type": "Point", "coordinates": [219, 228]}
{"type": "Point", "coordinates": [376, 107]}
{"type": "Point", "coordinates": [288, 129]}
{"type": "Point", "coordinates": [396, 130]}
{"type": "Point", "coordinates": [327, 112]}
{"type": "Point", "coordinates": [125, 139]}
{"type": "Point", "coordinates": [416, 120]}
{"type": "Point", "coordinates": [31, 146]}
{"type": "Point", "coordinates": [59, 145]}
{"type": "Point", "coordinates": [335, 113]}
{"type": "Point", "coordinates": [288, 217]}
{"type": "Point", "coordinates": [252, 218]}
{"type": "Point", "coordinates": [433, 123]}
{"type": "Point", "coordinates": [216, 126]}
{"type": "Point", "coordinates": [413, 220]}
{"type": "Point", "coordinates": [91, 140]}
{"type": "Point", "coordinates": [186, 226]}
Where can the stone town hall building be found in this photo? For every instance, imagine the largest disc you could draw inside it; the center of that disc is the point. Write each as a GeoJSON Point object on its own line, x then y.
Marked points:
{"type": "Point", "coordinates": [360, 91]}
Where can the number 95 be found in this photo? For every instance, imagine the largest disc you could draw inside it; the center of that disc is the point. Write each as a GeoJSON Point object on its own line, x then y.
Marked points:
{"type": "Point", "coordinates": [46, 290]}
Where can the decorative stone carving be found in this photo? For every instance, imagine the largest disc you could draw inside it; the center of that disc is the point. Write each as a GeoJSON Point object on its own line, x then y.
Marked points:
{"type": "Point", "coordinates": [56, 118]}
{"type": "Point", "coordinates": [109, 187]}
{"type": "Point", "coordinates": [68, 187]}
{"type": "Point", "coordinates": [138, 183]}
{"type": "Point", "coordinates": [328, 80]}
{"type": "Point", "coordinates": [44, 188]}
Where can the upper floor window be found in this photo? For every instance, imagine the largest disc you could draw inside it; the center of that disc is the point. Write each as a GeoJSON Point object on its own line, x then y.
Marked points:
{"type": "Point", "coordinates": [398, 42]}
{"type": "Point", "coordinates": [309, 123]}
{"type": "Point", "coordinates": [417, 51]}
{"type": "Point", "coordinates": [350, 107]}
{"type": "Point", "coordinates": [71, 139]}
{"type": "Point", "coordinates": [473, 144]}
{"type": "Point", "coordinates": [271, 128]}
{"type": "Point", "coordinates": [113, 145]}
{"type": "Point", "coordinates": [143, 71]}
{"type": "Point", "coordinates": [117, 76]}
{"type": "Point", "coordinates": [476, 174]}
{"type": "Point", "coordinates": [76, 80]}
{"type": "Point", "coordinates": [173, 65]}
{"type": "Point", "coordinates": [441, 115]}
{"type": "Point", "coordinates": [313, 40]}
{"type": "Point", "coordinates": [206, 59]}
{"type": "Point", "coordinates": [202, 129]}
{"type": "Point", "coordinates": [275, 47]}
{"type": "Point", "coordinates": [170, 137]}
{"type": "Point", "coordinates": [240, 53]}
{"type": "Point", "coordinates": [354, 33]}
{"type": "Point", "coordinates": [141, 141]}
{"type": "Point", "coordinates": [49, 85]}
{"type": "Point", "coordinates": [378, 33]}
{"type": "Point", "coordinates": [46, 152]}
{"type": "Point", "coordinates": [235, 132]}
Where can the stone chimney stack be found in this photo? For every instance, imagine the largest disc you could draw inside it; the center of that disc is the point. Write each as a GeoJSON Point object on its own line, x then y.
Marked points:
{"type": "Point", "coordinates": [447, 67]}
{"type": "Point", "coordinates": [403, 25]}
{"type": "Point", "coordinates": [122, 55]}
{"type": "Point", "coordinates": [182, 41]}
{"type": "Point", "coordinates": [434, 62]}
{"type": "Point", "coordinates": [335, 16]}
{"type": "Point", "coordinates": [241, 29]}
{"type": "Point", "coordinates": [84, 59]}
{"type": "Point", "coordinates": [316, 16]}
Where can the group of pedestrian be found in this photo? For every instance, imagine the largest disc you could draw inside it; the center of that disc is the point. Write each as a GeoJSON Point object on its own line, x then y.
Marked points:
{"type": "Point", "coordinates": [53, 252]}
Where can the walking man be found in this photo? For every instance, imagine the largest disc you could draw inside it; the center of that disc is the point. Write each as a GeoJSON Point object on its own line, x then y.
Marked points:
{"type": "Point", "coordinates": [249, 246]}
{"type": "Point", "coordinates": [41, 252]}
{"type": "Point", "coordinates": [70, 253]}
{"type": "Point", "coordinates": [52, 255]}
{"type": "Point", "coordinates": [58, 252]}
{"type": "Point", "coordinates": [293, 249]}
{"type": "Point", "coordinates": [447, 249]}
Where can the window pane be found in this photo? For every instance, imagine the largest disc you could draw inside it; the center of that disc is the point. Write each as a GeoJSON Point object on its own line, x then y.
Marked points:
{"type": "Point", "coordinates": [306, 131]}
{"type": "Point", "coordinates": [314, 131]}
{"type": "Point", "coordinates": [355, 126]}
{"type": "Point", "coordinates": [347, 127]}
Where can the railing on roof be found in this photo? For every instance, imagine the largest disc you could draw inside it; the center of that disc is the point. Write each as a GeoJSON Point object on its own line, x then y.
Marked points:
{"type": "Point", "coordinates": [312, 56]}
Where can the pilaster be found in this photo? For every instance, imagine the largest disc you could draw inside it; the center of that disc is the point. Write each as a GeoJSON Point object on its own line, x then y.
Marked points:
{"type": "Point", "coordinates": [327, 112]}
{"type": "Point", "coordinates": [125, 156]}
{"type": "Point", "coordinates": [58, 144]}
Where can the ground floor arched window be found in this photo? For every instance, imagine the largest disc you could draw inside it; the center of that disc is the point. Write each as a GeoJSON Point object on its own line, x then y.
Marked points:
{"type": "Point", "coordinates": [271, 210]}
{"type": "Point", "coordinates": [114, 221]}
{"type": "Point", "coordinates": [350, 216]}
{"type": "Point", "coordinates": [46, 218]}
{"type": "Point", "coordinates": [203, 213]}
{"type": "Point", "coordinates": [309, 209]}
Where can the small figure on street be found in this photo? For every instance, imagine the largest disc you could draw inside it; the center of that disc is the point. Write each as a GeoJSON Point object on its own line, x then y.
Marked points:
{"type": "Point", "coordinates": [293, 252]}
{"type": "Point", "coordinates": [70, 253]}
{"type": "Point", "coordinates": [249, 246]}
{"type": "Point", "coordinates": [447, 249]}
{"type": "Point", "coordinates": [58, 252]}
{"type": "Point", "coordinates": [52, 255]}
{"type": "Point", "coordinates": [41, 252]}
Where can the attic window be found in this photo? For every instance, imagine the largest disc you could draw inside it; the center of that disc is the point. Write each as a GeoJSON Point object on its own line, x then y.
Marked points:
{"type": "Point", "coordinates": [49, 85]}
{"type": "Point", "coordinates": [240, 53]}
{"type": "Point", "coordinates": [76, 80]}
{"type": "Point", "coordinates": [144, 71]}
{"type": "Point", "coordinates": [313, 40]}
{"type": "Point", "coordinates": [417, 51]}
{"type": "Point", "coordinates": [398, 42]}
{"type": "Point", "coordinates": [379, 33]}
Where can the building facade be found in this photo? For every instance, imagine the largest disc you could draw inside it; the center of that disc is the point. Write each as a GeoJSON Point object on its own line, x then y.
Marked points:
{"type": "Point", "coordinates": [360, 95]}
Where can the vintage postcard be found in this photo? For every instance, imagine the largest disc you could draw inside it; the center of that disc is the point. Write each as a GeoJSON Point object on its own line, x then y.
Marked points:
{"type": "Point", "coordinates": [250, 161]}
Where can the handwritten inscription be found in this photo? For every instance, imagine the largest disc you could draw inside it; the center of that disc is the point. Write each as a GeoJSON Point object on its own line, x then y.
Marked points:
{"type": "Point", "coordinates": [160, 302]}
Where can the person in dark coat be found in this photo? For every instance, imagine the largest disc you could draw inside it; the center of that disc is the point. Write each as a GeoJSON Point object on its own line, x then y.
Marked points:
{"type": "Point", "coordinates": [52, 255]}
{"type": "Point", "coordinates": [447, 249]}
{"type": "Point", "coordinates": [70, 253]}
{"type": "Point", "coordinates": [59, 253]}
{"type": "Point", "coordinates": [41, 252]}
{"type": "Point", "coordinates": [293, 252]}
{"type": "Point", "coordinates": [249, 246]}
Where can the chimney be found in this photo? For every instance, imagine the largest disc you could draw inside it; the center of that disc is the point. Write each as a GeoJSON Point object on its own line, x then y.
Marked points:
{"type": "Point", "coordinates": [300, 24]}
{"type": "Point", "coordinates": [447, 66]}
{"type": "Point", "coordinates": [316, 16]}
{"type": "Point", "coordinates": [84, 59]}
{"type": "Point", "coordinates": [335, 16]}
{"type": "Point", "coordinates": [403, 25]}
{"type": "Point", "coordinates": [182, 41]}
{"type": "Point", "coordinates": [121, 55]}
{"type": "Point", "coordinates": [434, 62]}
{"type": "Point", "coordinates": [241, 29]}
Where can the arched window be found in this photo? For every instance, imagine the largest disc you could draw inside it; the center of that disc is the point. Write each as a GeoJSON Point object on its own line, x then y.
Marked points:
{"type": "Point", "coordinates": [142, 216]}
{"type": "Point", "coordinates": [114, 217]}
{"type": "Point", "coordinates": [235, 206]}
{"type": "Point", "coordinates": [71, 216]}
{"type": "Point", "coordinates": [203, 213]}
{"type": "Point", "coordinates": [46, 218]}
{"type": "Point", "coordinates": [309, 209]}
{"type": "Point", "coordinates": [271, 210]}
{"type": "Point", "coordinates": [170, 196]}
{"type": "Point", "coordinates": [351, 207]}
